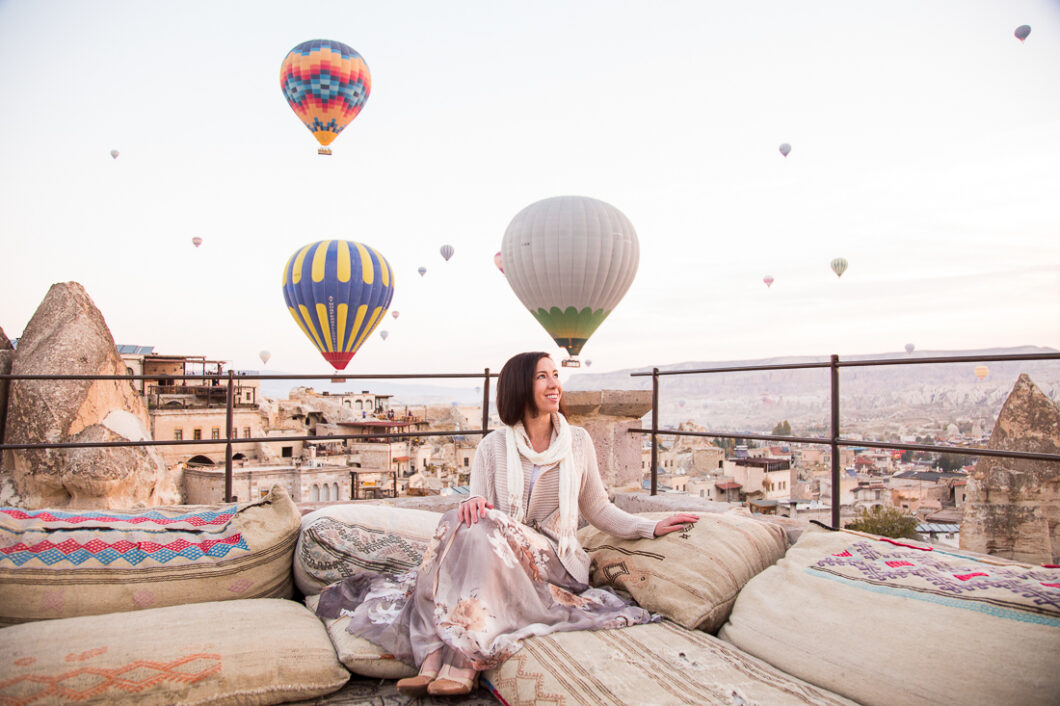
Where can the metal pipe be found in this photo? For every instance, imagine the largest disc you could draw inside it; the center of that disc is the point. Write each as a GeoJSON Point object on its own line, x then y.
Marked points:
{"type": "Point", "coordinates": [485, 400]}
{"type": "Point", "coordinates": [654, 430]}
{"type": "Point", "coordinates": [229, 497]}
{"type": "Point", "coordinates": [836, 495]}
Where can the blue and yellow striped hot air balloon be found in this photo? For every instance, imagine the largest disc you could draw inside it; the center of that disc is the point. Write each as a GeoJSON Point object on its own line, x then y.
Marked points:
{"type": "Point", "coordinates": [337, 291]}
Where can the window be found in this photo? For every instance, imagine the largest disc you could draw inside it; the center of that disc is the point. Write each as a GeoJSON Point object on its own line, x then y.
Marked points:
{"type": "Point", "coordinates": [287, 451]}
{"type": "Point", "coordinates": [335, 490]}
{"type": "Point", "coordinates": [246, 432]}
{"type": "Point", "coordinates": [327, 493]}
{"type": "Point", "coordinates": [178, 434]}
{"type": "Point", "coordinates": [215, 433]}
{"type": "Point", "coordinates": [314, 494]}
{"type": "Point", "coordinates": [466, 461]}
{"type": "Point", "coordinates": [196, 434]}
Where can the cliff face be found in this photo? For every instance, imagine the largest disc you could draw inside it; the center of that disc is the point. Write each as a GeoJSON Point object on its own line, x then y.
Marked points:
{"type": "Point", "coordinates": [1013, 505]}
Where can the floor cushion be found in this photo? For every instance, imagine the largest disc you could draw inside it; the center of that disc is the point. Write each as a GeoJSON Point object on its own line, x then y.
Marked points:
{"type": "Point", "coordinates": [66, 563]}
{"type": "Point", "coordinates": [257, 651]}
{"type": "Point", "coordinates": [656, 663]}
{"type": "Point", "coordinates": [886, 621]}
{"type": "Point", "coordinates": [691, 576]}
{"type": "Point", "coordinates": [358, 654]}
{"type": "Point", "coordinates": [343, 540]}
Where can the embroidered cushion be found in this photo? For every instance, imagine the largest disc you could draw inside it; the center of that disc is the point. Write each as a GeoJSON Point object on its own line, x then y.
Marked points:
{"type": "Point", "coordinates": [260, 651]}
{"type": "Point", "coordinates": [358, 654]}
{"type": "Point", "coordinates": [898, 622]}
{"type": "Point", "coordinates": [656, 663]}
{"type": "Point", "coordinates": [692, 576]}
{"type": "Point", "coordinates": [66, 563]}
{"type": "Point", "coordinates": [344, 540]}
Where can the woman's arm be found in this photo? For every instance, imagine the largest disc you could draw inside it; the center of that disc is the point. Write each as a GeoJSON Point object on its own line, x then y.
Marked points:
{"type": "Point", "coordinates": [482, 488]}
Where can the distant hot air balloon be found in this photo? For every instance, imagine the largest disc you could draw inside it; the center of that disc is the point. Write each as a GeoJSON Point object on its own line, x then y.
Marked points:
{"type": "Point", "coordinates": [114, 153]}
{"type": "Point", "coordinates": [909, 347]}
{"type": "Point", "coordinates": [395, 314]}
{"type": "Point", "coordinates": [768, 279]}
{"type": "Point", "coordinates": [570, 260]}
{"type": "Point", "coordinates": [680, 403]}
{"type": "Point", "coordinates": [785, 148]}
{"type": "Point", "coordinates": [588, 363]}
{"type": "Point", "coordinates": [1022, 32]}
{"type": "Point", "coordinates": [265, 355]}
{"type": "Point", "coordinates": [337, 292]}
{"type": "Point", "coordinates": [422, 271]}
{"type": "Point", "coordinates": [981, 371]}
{"type": "Point", "coordinates": [447, 251]}
{"type": "Point", "coordinates": [497, 261]}
{"type": "Point", "coordinates": [839, 266]}
{"type": "Point", "coordinates": [196, 241]}
{"type": "Point", "coordinates": [326, 83]}
{"type": "Point", "coordinates": [384, 334]}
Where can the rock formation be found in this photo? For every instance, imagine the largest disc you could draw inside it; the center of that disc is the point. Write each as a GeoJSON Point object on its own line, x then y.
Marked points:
{"type": "Point", "coordinates": [1013, 505]}
{"type": "Point", "coordinates": [7, 354]}
{"type": "Point", "coordinates": [608, 415]}
{"type": "Point", "coordinates": [68, 336]}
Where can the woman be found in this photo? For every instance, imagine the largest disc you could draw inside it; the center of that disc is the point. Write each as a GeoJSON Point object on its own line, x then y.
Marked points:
{"type": "Point", "coordinates": [507, 564]}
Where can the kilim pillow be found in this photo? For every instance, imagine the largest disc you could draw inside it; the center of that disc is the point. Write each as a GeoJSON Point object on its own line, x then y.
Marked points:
{"type": "Point", "coordinates": [886, 621]}
{"type": "Point", "coordinates": [660, 664]}
{"type": "Point", "coordinates": [260, 651]}
{"type": "Point", "coordinates": [344, 540]}
{"type": "Point", "coordinates": [692, 576]}
{"type": "Point", "coordinates": [359, 655]}
{"type": "Point", "coordinates": [66, 563]}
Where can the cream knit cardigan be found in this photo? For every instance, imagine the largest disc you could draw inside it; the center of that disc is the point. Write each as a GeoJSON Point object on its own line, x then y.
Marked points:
{"type": "Point", "coordinates": [489, 479]}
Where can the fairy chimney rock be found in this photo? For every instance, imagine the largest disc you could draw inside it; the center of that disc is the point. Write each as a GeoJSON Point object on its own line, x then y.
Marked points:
{"type": "Point", "coordinates": [68, 336]}
{"type": "Point", "coordinates": [1013, 505]}
{"type": "Point", "coordinates": [608, 415]}
{"type": "Point", "coordinates": [7, 353]}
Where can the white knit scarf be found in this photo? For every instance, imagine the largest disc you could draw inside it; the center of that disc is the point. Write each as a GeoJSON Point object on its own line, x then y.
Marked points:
{"type": "Point", "coordinates": [518, 444]}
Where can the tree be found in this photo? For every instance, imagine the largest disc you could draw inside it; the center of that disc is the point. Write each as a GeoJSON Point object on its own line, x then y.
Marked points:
{"type": "Point", "coordinates": [886, 522]}
{"type": "Point", "coordinates": [782, 429]}
{"type": "Point", "coordinates": [953, 462]}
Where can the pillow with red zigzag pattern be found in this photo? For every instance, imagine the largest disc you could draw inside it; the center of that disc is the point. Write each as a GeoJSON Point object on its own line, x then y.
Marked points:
{"type": "Point", "coordinates": [66, 563]}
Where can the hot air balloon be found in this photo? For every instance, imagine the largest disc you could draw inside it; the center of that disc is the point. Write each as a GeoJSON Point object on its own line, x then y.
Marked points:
{"type": "Point", "coordinates": [588, 363]}
{"type": "Point", "coordinates": [337, 291]}
{"type": "Point", "coordinates": [768, 279]}
{"type": "Point", "coordinates": [839, 266]}
{"type": "Point", "coordinates": [1022, 32]}
{"type": "Point", "coordinates": [395, 314]}
{"type": "Point", "coordinates": [680, 403]}
{"type": "Point", "coordinates": [497, 261]}
{"type": "Point", "coordinates": [785, 148]}
{"type": "Point", "coordinates": [196, 241]}
{"type": "Point", "coordinates": [422, 271]}
{"type": "Point", "coordinates": [114, 154]}
{"type": "Point", "coordinates": [570, 260]}
{"type": "Point", "coordinates": [909, 347]}
{"type": "Point", "coordinates": [981, 371]}
{"type": "Point", "coordinates": [265, 355]}
{"type": "Point", "coordinates": [446, 251]}
{"type": "Point", "coordinates": [326, 83]}
{"type": "Point", "coordinates": [384, 334]}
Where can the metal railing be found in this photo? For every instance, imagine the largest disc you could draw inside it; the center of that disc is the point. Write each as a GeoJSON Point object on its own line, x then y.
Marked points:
{"type": "Point", "coordinates": [835, 441]}
{"type": "Point", "coordinates": [229, 382]}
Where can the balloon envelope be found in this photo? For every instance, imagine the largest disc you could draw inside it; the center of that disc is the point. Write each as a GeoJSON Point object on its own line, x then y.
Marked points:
{"type": "Point", "coordinates": [326, 84]}
{"type": "Point", "coordinates": [114, 154]}
{"type": "Point", "coordinates": [785, 148]}
{"type": "Point", "coordinates": [497, 261]}
{"type": "Point", "coordinates": [1022, 32]}
{"type": "Point", "coordinates": [981, 371]}
{"type": "Point", "coordinates": [570, 260]}
{"type": "Point", "coordinates": [447, 251]}
{"type": "Point", "coordinates": [337, 291]}
{"type": "Point", "coordinates": [265, 355]}
{"type": "Point", "coordinates": [588, 363]}
{"type": "Point", "coordinates": [909, 348]}
{"type": "Point", "coordinates": [384, 334]}
{"type": "Point", "coordinates": [839, 266]}
{"type": "Point", "coordinates": [196, 241]}
{"type": "Point", "coordinates": [395, 314]}
{"type": "Point", "coordinates": [768, 279]}
{"type": "Point", "coordinates": [422, 271]}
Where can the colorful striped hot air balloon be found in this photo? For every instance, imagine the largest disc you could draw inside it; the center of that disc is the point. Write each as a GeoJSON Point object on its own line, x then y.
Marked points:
{"type": "Point", "coordinates": [1022, 32]}
{"type": "Point", "coordinates": [196, 241]}
{"type": "Point", "coordinates": [337, 291]}
{"type": "Point", "coordinates": [981, 371]}
{"type": "Point", "coordinates": [422, 271]}
{"type": "Point", "coordinates": [768, 279]}
{"type": "Point", "coordinates": [446, 251]}
{"type": "Point", "coordinates": [326, 83]}
{"type": "Point", "coordinates": [114, 153]}
{"type": "Point", "coordinates": [570, 260]}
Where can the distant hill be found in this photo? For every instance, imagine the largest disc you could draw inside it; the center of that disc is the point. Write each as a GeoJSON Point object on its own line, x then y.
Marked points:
{"type": "Point", "coordinates": [895, 395]}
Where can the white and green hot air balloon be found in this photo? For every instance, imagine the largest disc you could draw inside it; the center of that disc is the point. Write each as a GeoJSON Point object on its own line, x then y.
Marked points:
{"type": "Point", "coordinates": [570, 260]}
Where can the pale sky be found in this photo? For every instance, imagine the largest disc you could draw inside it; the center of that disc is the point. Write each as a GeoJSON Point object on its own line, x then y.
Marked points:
{"type": "Point", "coordinates": [925, 144]}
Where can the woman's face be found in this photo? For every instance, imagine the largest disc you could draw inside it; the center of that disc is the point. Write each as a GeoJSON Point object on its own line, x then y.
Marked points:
{"type": "Point", "coordinates": [547, 388]}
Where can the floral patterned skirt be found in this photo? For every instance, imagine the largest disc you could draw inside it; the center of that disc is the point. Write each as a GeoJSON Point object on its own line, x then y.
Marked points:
{"type": "Point", "coordinates": [477, 593]}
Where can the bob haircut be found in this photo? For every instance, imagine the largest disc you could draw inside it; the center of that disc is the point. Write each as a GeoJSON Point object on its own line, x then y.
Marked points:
{"type": "Point", "coordinates": [515, 387]}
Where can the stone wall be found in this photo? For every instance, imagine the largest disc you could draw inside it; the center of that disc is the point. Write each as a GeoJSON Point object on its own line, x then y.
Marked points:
{"type": "Point", "coordinates": [608, 415]}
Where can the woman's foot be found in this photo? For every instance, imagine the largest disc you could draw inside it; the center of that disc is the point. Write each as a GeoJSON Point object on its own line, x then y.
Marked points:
{"type": "Point", "coordinates": [453, 682]}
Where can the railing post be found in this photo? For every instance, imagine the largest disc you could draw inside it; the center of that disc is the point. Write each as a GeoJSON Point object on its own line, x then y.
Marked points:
{"type": "Point", "coordinates": [228, 446]}
{"type": "Point", "coordinates": [836, 494]}
{"type": "Point", "coordinates": [654, 430]}
{"type": "Point", "coordinates": [485, 400]}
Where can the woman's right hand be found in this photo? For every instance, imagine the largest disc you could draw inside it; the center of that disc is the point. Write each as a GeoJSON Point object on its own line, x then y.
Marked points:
{"type": "Point", "coordinates": [472, 509]}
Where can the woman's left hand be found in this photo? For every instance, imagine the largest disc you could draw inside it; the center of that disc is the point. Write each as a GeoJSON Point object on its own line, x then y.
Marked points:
{"type": "Point", "coordinates": [674, 523]}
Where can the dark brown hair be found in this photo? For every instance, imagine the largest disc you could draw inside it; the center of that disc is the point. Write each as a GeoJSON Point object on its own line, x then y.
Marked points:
{"type": "Point", "coordinates": [515, 387]}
